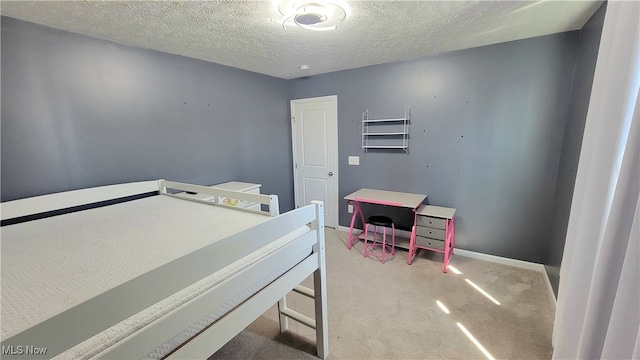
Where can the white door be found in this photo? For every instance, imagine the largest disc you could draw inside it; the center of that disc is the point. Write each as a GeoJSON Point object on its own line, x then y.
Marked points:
{"type": "Point", "coordinates": [314, 125]}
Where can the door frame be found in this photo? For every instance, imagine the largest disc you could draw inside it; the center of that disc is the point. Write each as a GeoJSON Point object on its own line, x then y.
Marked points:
{"type": "Point", "coordinates": [296, 197]}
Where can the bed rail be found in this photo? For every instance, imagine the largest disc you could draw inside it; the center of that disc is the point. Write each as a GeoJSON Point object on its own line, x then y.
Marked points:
{"type": "Point", "coordinates": [216, 336]}
{"type": "Point", "coordinates": [143, 343]}
{"type": "Point", "coordinates": [318, 293]}
{"type": "Point", "coordinates": [37, 207]}
{"type": "Point", "coordinates": [73, 199]}
{"type": "Point", "coordinates": [269, 200]}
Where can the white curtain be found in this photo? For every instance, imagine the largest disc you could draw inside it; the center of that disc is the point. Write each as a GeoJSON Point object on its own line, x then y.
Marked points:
{"type": "Point", "coordinates": [598, 307]}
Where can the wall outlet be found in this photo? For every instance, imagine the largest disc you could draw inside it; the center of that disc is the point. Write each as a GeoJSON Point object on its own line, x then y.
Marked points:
{"type": "Point", "coordinates": [354, 160]}
{"type": "Point", "coordinates": [350, 209]}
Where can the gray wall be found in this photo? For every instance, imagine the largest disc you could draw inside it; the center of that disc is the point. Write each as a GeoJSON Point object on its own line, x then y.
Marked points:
{"type": "Point", "coordinates": [487, 129]}
{"type": "Point", "coordinates": [80, 112]}
{"type": "Point", "coordinates": [487, 126]}
{"type": "Point", "coordinates": [583, 79]}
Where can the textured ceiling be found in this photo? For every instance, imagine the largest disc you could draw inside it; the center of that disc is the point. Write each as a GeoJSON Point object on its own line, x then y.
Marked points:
{"type": "Point", "coordinates": [240, 33]}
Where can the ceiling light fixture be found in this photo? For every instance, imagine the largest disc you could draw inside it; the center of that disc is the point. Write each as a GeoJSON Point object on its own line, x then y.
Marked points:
{"type": "Point", "coordinates": [318, 15]}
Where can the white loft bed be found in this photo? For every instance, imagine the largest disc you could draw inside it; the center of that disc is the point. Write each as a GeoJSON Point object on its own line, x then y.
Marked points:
{"type": "Point", "coordinates": [164, 276]}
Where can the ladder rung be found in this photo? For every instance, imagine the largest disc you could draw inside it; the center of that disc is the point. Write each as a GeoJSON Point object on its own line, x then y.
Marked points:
{"type": "Point", "coordinates": [303, 319]}
{"type": "Point", "coordinates": [303, 290]}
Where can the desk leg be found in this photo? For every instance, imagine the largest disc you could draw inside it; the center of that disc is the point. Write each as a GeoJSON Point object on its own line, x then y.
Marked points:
{"type": "Point", "coordinates": [412, 240]}
{"type": "Point", "coordinates": [356, 210]}
{"type": "Point", "coordinates": [453, 236]}
{"type": "Point", "coordinates": [412, 245]}
{"type": "Point", "coordinates": [448, 245]}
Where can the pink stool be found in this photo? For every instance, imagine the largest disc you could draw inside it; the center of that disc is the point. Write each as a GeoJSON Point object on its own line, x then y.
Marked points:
{"type": "Point", "coordinates": [386, 250]}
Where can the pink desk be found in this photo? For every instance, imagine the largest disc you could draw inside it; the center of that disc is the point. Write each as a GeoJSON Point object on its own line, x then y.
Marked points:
{"type": "Point", "coordinates": [380, 197]}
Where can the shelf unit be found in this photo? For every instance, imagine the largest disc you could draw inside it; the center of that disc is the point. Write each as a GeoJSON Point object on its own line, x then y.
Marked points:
{"type": "Point", "coordinates": [392, 133]}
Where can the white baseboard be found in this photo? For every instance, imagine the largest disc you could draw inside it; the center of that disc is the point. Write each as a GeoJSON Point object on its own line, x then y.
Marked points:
{"type": "Point", "coordinates": [500, 260]}
{"type": "Point", "coordinates": [549, 287]}
{"type": "Point", "coordinates": [480, 256]}
{"type": "Point", "coordinates": [400, 233]}
{"type": "Point", "coordinates": [342, 228]}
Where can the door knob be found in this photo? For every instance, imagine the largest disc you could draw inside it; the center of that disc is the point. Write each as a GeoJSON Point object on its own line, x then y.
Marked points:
{"type": "Point", "coordinates": [330, 173]}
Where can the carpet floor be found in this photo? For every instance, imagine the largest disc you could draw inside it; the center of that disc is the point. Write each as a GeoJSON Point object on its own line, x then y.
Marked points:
{"type": "Point", "coordinates": [396, 311]}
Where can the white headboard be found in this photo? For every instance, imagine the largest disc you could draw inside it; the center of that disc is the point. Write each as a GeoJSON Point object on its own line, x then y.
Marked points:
{"type": "Point", "coordinates": [68, 199]}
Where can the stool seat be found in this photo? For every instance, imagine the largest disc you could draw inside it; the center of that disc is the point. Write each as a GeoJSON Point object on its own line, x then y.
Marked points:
{"type": "Point", "coordinates": [379, 220]}
{"type": "Point", "coordinates": [386, 250]}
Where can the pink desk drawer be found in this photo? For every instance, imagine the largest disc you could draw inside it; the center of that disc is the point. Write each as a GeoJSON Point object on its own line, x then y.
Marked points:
{"type": "Point", "coordinates": [432, 222]}
{"type": "Point", "coordinates": [430, 232]}
{"type": "Point", "coordinates": [430, 243]}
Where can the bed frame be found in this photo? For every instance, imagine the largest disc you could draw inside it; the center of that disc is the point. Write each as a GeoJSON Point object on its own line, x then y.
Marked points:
{"type": "Point", "coordinates": [59, 333]}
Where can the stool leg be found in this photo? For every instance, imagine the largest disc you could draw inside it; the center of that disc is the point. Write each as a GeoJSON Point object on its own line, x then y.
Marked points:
{"type": "Point", "coordinates": [384, 244]}
{"type": "Point", "coordinates": [366, 236]}
{"type": "Point", "coordinates": [375, 231]}
{"type": "Point", "coordinates": [393, 239]}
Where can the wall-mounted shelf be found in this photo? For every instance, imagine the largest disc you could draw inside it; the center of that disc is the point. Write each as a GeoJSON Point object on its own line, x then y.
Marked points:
{"type": "Point", "coordinates": [391, 133]}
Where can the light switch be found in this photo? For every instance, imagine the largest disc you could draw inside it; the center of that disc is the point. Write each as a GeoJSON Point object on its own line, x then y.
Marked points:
{"type": "Point", "coordinates": [350, 209]}
{"type": "Point", "coordinates": [354, 160]}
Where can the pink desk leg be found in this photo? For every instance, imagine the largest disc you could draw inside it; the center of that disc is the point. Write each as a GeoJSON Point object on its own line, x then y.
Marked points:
{"type": "Point", "coordinates": [453, 236]}
{"type": "Point", "coordinates": [412, 247]}
{"type": "Point", "coordinates": [412, 240]}
{"type": "Point", "coordinates": [448, 245]}
{"type": "Point", "coordinates": [356, 210]}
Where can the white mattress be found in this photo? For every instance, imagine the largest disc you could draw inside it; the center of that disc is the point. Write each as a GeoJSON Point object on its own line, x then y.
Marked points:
{"type": "Point", "coordinates": [51, 265]}
{"type": "Point", "coordinates": [94, 345]}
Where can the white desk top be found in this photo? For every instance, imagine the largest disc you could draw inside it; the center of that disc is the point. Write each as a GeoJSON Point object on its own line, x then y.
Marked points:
{"type": "Point", "coordinates": [384, 197]}
{"type": "Point", "coordinates": [436, 211]}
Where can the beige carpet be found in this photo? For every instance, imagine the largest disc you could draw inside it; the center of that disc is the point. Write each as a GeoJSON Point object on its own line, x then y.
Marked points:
{"type": "Point", "coordinates": [389, 311]}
